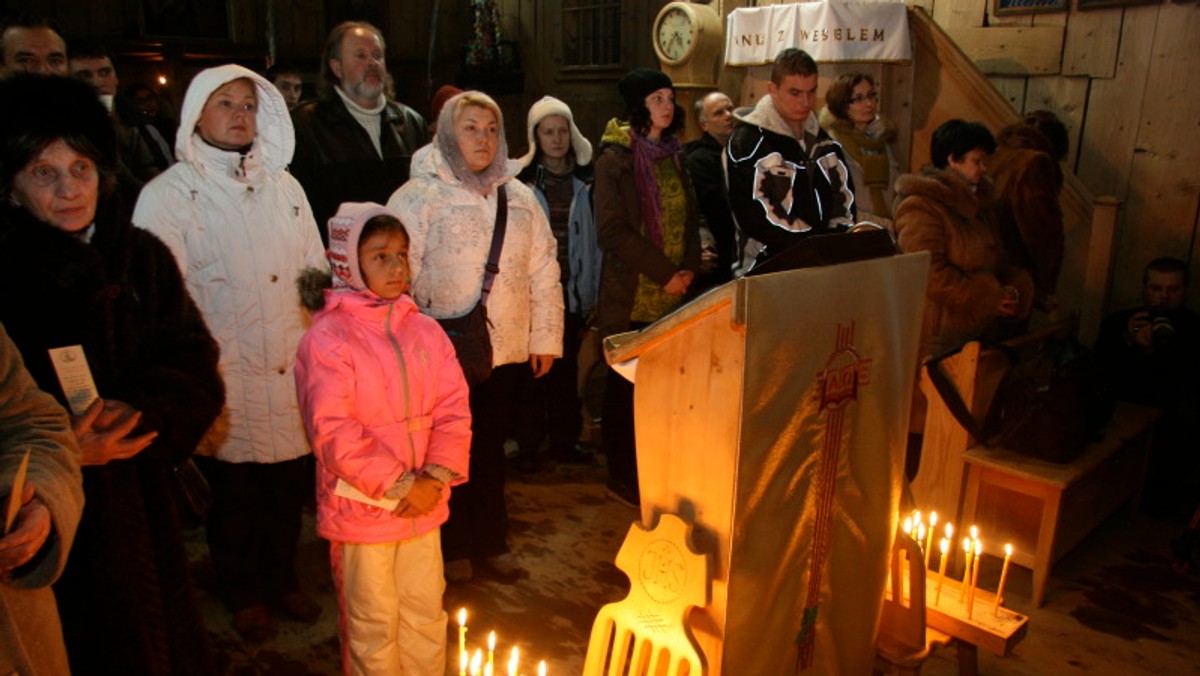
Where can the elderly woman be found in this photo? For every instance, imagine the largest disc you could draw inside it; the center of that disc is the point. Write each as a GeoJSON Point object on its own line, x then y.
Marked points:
{"type": "Point", "coordinates": [242, 231]}
{"type": "Point", "coordinates": [973, 289]}
{"type": "Point", "coordinates": [851, 117]}
{"type": "Point", "coordinates": [558, 169]}
{"type": "Point", "coordinates": [648, 229]}
{"type": "Point", "coordinates": [450, 206]}
{"type": "Point", "coordinates": [80, 274]}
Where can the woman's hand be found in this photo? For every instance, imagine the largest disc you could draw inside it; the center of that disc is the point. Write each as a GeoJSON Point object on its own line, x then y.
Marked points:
{"type": "Point", "coordinates": [424, 495]}
{"type": "Point", "coordinates": [540, 364]}
{"type": "Point", "coordinates": [30, 531]}
{"type": "Point", "coordinates": [103, 432]}
{"type": "Point", "coordinates": [679, 283]}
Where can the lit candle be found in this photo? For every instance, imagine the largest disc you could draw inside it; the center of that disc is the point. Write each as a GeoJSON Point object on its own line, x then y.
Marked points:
{"type": "Point", "coordinates": [477, 662]}
{"type": "Point", "coordinates": [974, 579]}
{"type": "Point", "coordinates": [513, 660]}
{"type": "Point", "coordinates": [491, 649]}
{"type": "Point", "coordinates": [944, 545]}
{"type": "Point", "coordinates": [1008, 550]}
{"type": "Point", "coordinates": [462, 630]}
{"type": "Point", "coordinates": [950, 531]}
{"type": "Point", "coordinates": [487, 670]}
{"type": "Point", "coordinates": [908, 525]}
{"type": "Point", "coordinates": [974, 530]}
{"type": "Point", "coordinates": [542, 668]}
{"type": "Point", "coordinates": [962, 593]}
{"type": "Point", "coordinates": [464, 661]}
{"type": "Point", "coordinates": [916, 517]}
{"type": "Point", "coordinates": [929, 538]}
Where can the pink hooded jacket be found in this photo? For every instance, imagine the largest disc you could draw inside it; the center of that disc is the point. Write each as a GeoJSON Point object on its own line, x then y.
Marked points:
{"type": "Point", "coordinates": [382, 394]}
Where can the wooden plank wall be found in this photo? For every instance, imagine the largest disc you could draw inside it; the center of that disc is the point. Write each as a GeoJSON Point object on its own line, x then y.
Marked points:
{"type": "Point", "coordinates": [1119, 79]}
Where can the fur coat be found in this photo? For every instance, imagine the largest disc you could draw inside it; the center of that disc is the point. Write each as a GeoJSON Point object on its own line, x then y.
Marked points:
{"type": "Point", "coordinates": [126, 598]}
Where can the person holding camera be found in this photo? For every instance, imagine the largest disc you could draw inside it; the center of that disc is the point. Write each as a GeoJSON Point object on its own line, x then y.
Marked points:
{"type": "Point", "coordinates": [1149, 357]}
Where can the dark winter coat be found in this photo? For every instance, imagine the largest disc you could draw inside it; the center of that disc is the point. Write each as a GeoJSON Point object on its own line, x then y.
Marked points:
{"type": "Point", "coordinates": [336, 161]}
{"type": "Point", "coordinates": [627, 252]}
{"type": "Point", "coordinates": [126, 597]}
{"type": "Point", "coordinates": [708, 178]}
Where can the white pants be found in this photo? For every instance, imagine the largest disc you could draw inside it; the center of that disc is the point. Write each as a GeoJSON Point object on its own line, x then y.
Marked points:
{"type": "Point", "coordinates": [390, 600]}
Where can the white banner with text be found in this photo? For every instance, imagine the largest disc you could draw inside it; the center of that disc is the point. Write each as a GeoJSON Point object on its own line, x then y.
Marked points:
{"type": "Point", "coordinates": [829, 31]}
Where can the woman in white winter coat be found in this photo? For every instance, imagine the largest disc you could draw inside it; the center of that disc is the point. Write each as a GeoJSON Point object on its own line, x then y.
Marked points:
{"type": "Point", "coordinates": [449, 207]}
{"type": "Point", "coordinates": [241, 230]}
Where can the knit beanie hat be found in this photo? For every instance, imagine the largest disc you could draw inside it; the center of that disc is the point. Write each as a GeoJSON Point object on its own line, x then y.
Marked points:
{"type": "Point", "coordinates": [345, 228]}
{"type": "Point", "coordinates": [639, 83]}
{"type": "Point", "coordinates": [545, 107]}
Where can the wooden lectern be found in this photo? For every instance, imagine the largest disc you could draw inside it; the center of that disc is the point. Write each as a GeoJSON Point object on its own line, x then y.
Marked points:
{"type": "Point", "coordinates": [771, 413]}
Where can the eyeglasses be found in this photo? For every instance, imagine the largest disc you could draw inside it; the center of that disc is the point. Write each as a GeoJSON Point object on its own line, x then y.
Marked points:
{"type": "Point", "coordinates": [872, 95]}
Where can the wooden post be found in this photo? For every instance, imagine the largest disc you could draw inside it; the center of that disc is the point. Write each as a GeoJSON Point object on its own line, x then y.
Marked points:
{"type": "Point", "coordinates": [1098, 272]}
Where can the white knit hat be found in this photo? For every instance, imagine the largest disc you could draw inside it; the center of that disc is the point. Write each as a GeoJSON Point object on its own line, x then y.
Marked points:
{"type": "Point", "coordinates": [546, 106]}
{"type": "Point", "coordinates": [344, 230]}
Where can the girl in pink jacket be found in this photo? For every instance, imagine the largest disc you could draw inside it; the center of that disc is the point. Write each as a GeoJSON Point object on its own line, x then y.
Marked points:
{"type": "Point", "coordinates": [386, 411]}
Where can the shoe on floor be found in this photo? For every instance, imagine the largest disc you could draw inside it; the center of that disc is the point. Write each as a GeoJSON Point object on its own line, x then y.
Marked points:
{"type": "Point", "coordinates": [459, 570]}
{"type": "Point", "coordinates": [254, 624]}
{"type": "Point", "coordinates": [504, 568]}
{"type": "Point", "coordinates": [300, 607]}
{"type": "Point", "coordinates": [624, 493]}
{"type": "Point", "coordinates": [571, 454]}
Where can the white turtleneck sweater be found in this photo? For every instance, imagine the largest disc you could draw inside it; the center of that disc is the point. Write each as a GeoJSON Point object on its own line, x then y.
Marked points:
{"type": "Point", "coordinates": [369, 118]}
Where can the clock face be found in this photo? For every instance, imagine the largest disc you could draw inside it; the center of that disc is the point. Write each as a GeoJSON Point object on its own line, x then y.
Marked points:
{"type": "Point", "coordinates": [675, 34]}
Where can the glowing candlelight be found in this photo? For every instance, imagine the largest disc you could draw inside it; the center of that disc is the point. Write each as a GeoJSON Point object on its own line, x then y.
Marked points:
{"type": "Point", "coordinates": [974, 579]}
{"type": "Point", "coordinates": [962, 593]}
{"type": "Point", "coordinates": [513, 660]}
{"type": "Point", "coordinates": [929, 538]}
{"type": "Point", "coordinates": [1008, 550]}
{"type": "Point", "coordinates": [462, 630]}
{"type": "Point", "coordinates": [916, 517]}
{"type": "Point", "coordinates": [464, 661]}
{"type": "Point", "coordinates": [491, 649]}
{"type": "Point", "coordinates": [542, 668]}
{"type": "Point", "coordinates": [908, 525]}
{"type": "Point", "coordinates": [944, 545]}
{"type": "Point", "coordinates": [477, 662]}
{"type": "Point", "coordinates": [974, 530]}
{"type": "Point", "coordinates": [950, 531]}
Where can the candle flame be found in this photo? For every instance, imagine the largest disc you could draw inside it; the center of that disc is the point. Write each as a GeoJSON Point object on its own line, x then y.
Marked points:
{"type": "Point", "coordinates": [949, 531]}
{"type": "Point", "coordinates": [978, 548]}
{"type": "Point", "coordinates": [476, 662]}
{"type": "Point", "coordinates": [967, 545]}
{"type": "Point", "coordinates": [908, 525]}
{"type": "Point", "coordinates": [932, 519]}
{"type": "Point", "coordinates": [974, 530]}
{"type": "Point", "coordinates": [945, 546]}
{"type": "Point", "coordinates": [1008, 550]}
{"type": "Point", "coordinates": [491, 641]}
{"type": "Point", "coordinates": [920, 532]}
{"type": "Point", "coordinates": [462, 617]}
{"type": "Point", "coordinates": [464, 660]}
{"type": "Point", "coordinates": [542, 668]}
{"type": "Point", "coordinates": [513, 660]}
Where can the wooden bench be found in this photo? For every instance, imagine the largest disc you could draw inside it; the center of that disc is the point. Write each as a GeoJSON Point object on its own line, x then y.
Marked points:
{"type": "Point", "coordinates": [1043, 508]}
{"type": "Point", "coordinates": [1046, 508]}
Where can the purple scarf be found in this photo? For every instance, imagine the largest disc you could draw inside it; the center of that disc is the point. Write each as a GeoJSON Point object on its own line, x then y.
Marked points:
{"type": "Point", "coordinates": [646, 153]}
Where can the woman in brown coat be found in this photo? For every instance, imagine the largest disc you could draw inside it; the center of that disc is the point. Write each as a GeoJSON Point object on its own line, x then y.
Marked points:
{"type": "Point", "coordinates": [647, 227]}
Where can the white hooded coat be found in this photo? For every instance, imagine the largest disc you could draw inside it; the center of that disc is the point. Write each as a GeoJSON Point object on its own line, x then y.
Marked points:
{"type": "Point", "coordinates": [450, 232]}
{"type": "Point", "coordinates": [241, 230]}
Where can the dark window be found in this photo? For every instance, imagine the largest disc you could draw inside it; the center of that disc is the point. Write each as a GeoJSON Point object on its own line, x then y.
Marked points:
{"type": "Point", "coordinates": [591, 32]}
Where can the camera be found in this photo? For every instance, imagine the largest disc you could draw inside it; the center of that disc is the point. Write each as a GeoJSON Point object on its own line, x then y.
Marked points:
{"type": "Point", "coordinates": [1162, 330]}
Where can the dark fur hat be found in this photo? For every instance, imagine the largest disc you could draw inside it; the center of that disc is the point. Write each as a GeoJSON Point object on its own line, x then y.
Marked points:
{"type": "Point", "coordinates": [39, 110]}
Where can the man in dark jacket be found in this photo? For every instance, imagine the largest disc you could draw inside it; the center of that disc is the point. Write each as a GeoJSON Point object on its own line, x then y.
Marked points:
{"type": "Point", "coordinates": [353, 144]}
{"type": "Point", "coordinates": [787, 177]}
{"type": "Point", "coordinates": [714, 116]}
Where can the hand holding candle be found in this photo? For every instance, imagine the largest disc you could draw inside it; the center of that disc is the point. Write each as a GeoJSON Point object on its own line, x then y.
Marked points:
{"type": "Point", "coordinates": [1008, 550]}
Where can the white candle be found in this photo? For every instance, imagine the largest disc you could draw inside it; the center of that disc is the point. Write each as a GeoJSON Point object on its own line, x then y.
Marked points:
{"type": "Point", "coordinates": [462, 630]}
{"type": "Point", "coordinates": [944, 545]}
{"type": "Point", "coordinates": [929, 538]}
{"type": "Point", "coordinates": [974, 579]}
{"type": "Point", "coordinates": [1008, 550]}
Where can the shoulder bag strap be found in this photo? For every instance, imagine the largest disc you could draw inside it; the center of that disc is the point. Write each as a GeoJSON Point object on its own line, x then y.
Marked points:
{"type": "Point", "coordinates": [493, 263]}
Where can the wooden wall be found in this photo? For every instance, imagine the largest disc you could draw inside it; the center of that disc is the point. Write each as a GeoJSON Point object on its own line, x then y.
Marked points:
{"type": "Point", "coordinates": [1122, 79]}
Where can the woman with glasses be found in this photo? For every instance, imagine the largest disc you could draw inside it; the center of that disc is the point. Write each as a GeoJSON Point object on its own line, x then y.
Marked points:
{"type": "Point", "coordinates": [851, 117]}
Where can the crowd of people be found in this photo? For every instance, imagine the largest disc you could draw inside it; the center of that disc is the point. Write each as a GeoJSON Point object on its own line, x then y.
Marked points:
{"type": "Point", "coordinates": [275, 288]}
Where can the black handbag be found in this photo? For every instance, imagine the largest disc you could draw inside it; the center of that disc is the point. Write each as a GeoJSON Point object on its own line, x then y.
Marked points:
{"type": "Point", "coordinates": [469, 333]}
